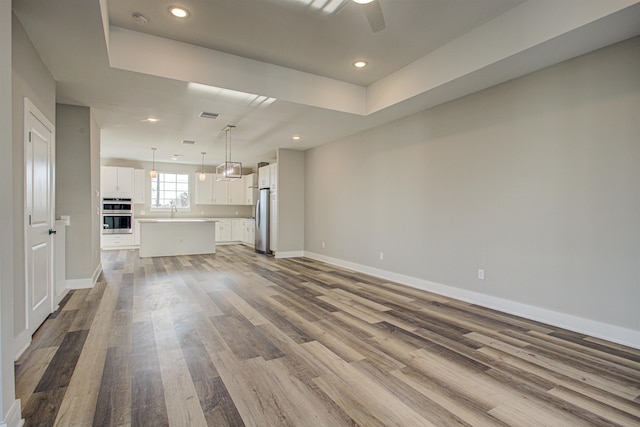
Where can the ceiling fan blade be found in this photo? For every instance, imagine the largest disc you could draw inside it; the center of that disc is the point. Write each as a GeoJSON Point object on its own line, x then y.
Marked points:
{"type": "Point", "coordinates": [373, 11]}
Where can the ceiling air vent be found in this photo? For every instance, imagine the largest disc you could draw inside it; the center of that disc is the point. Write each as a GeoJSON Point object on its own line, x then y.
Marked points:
{"type": "Point", "coordinates": [206, 115]}
{"type": "Point", "coordinates": [188, 142]}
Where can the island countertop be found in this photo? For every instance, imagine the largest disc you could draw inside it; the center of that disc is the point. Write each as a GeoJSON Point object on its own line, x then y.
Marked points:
{"type": "Point", "coordinates": [178, 220]}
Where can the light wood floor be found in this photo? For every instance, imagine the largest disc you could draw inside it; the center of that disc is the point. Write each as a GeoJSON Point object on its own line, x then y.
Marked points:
{"type": "Point", "coordinates": [238, 338]}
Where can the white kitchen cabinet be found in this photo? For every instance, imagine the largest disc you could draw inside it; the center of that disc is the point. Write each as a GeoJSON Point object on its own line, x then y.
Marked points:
{"type": "Point", "coordinates": [249, 188]}
{"type": "Point", "coordinates": [116, 182]}
{"type": "Point", "coordinates": [204, 189]}
{"type": "Point", "coordinates": [116, 241]}
{"type": "Point", "coordinates": [220, 192]}
{"type": "Point", "coordinates": [139, 187]}
{"type": "Point", "coordinates": [249, 237]}
{"type": "Point", "coordinates": [237, 230]}
{"type": "Point", "coordinates": [223, 230]}
{"type": "Point", "coordinates": [236, 192]}
{"type": "Point", "coordinates": [263, 177]}
{"type": "Point", "coordinates": [136, 232]}
{"type": "Point", "coordinates": [273, 176]}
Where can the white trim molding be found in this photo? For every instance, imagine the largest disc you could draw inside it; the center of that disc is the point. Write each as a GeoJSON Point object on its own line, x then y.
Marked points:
{"type": "Point", "coordinates": [87, 282]}
{"type": "Point", "coordinates": [289, 254]}
{"type": "Point", "coordinates": [14, 416]}
{"type": "Point", "coordinates": [605, 331]}
{"type": "Point", "coordinates": [21, 343]}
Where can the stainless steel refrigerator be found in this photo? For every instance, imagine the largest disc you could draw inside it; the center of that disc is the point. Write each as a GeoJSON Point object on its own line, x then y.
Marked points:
{"type": "Point", "coordinates": [262, 222]}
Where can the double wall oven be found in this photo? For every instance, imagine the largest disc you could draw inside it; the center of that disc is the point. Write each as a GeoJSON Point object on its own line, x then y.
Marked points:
{"type": "Point", "coordinates": [117, 215]}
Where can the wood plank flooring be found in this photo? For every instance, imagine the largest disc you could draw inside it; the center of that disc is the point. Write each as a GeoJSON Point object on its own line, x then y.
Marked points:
{"type": "Point", "coordinates": [237, 338]}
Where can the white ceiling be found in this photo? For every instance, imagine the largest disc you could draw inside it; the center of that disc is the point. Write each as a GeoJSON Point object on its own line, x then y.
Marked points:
{"type": "Point", "coordinates": [278, 68]}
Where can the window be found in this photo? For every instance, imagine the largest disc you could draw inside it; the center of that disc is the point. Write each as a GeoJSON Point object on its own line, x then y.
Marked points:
{"type": "Point", "coordinates": [170, 189]}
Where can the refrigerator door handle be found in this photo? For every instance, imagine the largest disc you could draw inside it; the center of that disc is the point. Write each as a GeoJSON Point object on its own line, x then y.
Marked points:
{"type": "Point", "coordinates": [258, 214]}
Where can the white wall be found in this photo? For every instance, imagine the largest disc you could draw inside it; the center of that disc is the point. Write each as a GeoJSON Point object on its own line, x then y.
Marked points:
{"type": "Point", "coordinates": [7, 391]}
{"type": "Point", "coordinates": [32, 79]}
{"type": "Point", "coordinates": [290, 199]}
{"type": "Point", "coordinates": [536, 181]}
{"type": "Point", "coordinates": [77, 140]}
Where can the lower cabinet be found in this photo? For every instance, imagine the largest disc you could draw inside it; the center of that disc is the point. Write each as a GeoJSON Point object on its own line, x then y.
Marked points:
{"type": "Point", "coordinates": [237, 230]}
{"type": "Point", "coordinates": [116, 241]}
{"type": "Point", "coordinates": [223, 230]}
{"type": "Point", "coordinates": [249, 228]}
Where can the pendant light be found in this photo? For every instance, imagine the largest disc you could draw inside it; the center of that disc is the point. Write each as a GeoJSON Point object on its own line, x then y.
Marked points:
{"type": "Point", "coordinates": [202, 176]}
{"type": "Point", "coordinates": [153, 172]}
{"type": "Point", "coordinates": [228, 170]}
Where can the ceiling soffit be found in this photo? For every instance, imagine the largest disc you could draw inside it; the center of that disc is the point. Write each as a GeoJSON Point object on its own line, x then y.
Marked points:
{"type": "Point", "coordinates": [522, 30]}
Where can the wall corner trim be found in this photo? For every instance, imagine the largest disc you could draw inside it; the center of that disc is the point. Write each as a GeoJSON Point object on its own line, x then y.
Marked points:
{"type": "Point", "coordinates": [87, 282]}
{"type": "Point", "coordinates": [289, 254]}
{"type": "Point", "coordinates": [605, 331]}
{"type": "Point", "coordinates": [21, 343]}
{"type": "Point", "coordinates": [14, 416]}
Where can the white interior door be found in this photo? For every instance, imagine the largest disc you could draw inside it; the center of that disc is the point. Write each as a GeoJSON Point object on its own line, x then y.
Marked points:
{"type": "Point", "coordinates": [39, 211]}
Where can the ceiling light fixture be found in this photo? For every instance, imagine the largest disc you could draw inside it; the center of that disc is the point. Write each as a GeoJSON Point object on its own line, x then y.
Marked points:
{"type": "Point", "coordinates": [153, 172]}
{"type": "Point", "coordinates": [202, 176]}
{"type": "Point", "coordinates": [296, 137]}
{"type": "Point", "coordinates": [152, 119]}
{"type": "Point", "coordinates": [228, 170]}
{"type": "Point", "coordinates": [178, 12]}
{"type": "Point", "coordinates": [360, 64]}
{"type": "Point", "coordinates": [362, 1]}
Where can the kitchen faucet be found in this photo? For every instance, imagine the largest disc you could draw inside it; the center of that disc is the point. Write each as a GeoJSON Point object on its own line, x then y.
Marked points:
{"type": "Point", "coordinates": [174, 209]}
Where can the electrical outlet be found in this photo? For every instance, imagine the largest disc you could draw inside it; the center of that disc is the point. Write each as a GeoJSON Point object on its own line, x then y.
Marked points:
{"type": "Point", "coordinates": [381, 256]}
{"type": "Point", "coordinates": [480, 274]}
{"type": "Point", "coordinates": [323, 245]}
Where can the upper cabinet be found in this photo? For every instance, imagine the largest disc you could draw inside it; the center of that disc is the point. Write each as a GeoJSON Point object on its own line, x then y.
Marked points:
{"type": "Point", "coordinates": [139, 187]}
{"type": "Point", "coordinates": [212, 192]}
{"type": "Point", "coordinates": [220, 192]}
{"type": "Point", "coordinates": [263, 177]}
{"type": "Point", "coordinates": [116, 182]}
{"type": "Point", "coordinates": [273, 176]}
{"type": "Point", "coordinates": [204, 189]}
{"type": "Point", "coordinates": [249, 182]}
{"type": "Point", "coordinates": [268, 176]}
{"type": "Point", "coordinates": [236, 192]}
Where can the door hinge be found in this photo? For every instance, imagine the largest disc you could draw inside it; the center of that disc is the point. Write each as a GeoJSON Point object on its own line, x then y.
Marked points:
{"type": "Point", "coordinates": [29, 136]}
{"type": "Point", "coordinates": [29, 219]}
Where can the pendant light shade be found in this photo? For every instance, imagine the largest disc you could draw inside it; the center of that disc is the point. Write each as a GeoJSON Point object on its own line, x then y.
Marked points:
{"type": "Point", "coordinates": [153, 172]}
{"type": "Point", "coordinates": [228, 170]}
{"type": "Point", "coordinates": [202, 176]}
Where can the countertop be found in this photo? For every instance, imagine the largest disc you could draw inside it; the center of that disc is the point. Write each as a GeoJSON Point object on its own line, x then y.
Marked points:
{"type": "Point", "coordinates": [156, 220]}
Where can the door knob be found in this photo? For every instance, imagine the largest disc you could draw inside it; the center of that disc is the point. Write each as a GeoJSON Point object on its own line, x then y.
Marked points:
{"type": "Point", "coordinates": [51, 231]}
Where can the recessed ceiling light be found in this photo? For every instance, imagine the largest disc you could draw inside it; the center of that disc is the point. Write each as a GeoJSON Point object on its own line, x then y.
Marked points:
{"type": "Point", "coordinates": [151, 119]}
{"type": "Point", "coordinates": [360, 64]}
{"type": "Point", "coordinates": [362, 1]}
{"type": "Point", "coordinates": [296, 137]}
{"type": "Point", "coordinates": [178, 12]}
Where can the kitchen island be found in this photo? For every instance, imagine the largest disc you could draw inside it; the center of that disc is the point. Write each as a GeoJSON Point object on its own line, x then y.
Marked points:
{"type": "Point", "coordinates": [177, 236]}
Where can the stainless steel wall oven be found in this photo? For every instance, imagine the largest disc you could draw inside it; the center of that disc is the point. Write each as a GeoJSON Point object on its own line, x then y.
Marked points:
{"type": "Point", "coordinates": [117, 215]}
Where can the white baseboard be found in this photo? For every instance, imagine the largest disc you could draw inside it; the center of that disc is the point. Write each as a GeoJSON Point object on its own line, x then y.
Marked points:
{"type": "Point", "coordinates": [21, 343]}
{"type": "Point", "coordinates": [60, 297]}
{"type": "Point", "coordinates": [617, 334]}
{"type": "Point", "coordinates": [289, 254]}
{"type": "Point", "coordinates": [14, 416]}
{"type": "Point", "coordinates": [87, 282]}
